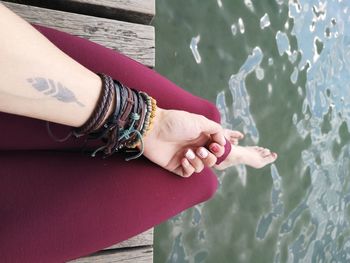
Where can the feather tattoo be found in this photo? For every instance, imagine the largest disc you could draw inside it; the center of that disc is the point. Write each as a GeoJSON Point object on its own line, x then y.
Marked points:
{"type": "Point", "coordinates": [55, 90]}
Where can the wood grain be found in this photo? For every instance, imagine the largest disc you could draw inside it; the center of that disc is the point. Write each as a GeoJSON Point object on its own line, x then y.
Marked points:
{"type": "Point", "coordinates": [133, 40]}
{"type": "Point", "coordinates": [137, 11]}
{"type": "Point", "coordinates": [137, 255]}
{"type": "Point", "coordinates": [143, 239]}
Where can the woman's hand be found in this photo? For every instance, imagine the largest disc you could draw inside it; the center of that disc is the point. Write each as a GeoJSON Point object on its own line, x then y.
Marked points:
{"type": "Point", "coordinates": [177, 138]}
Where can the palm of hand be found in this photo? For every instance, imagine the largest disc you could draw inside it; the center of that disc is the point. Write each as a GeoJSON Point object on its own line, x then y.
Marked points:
{"type": "Point", "coordinates": [173, 133]}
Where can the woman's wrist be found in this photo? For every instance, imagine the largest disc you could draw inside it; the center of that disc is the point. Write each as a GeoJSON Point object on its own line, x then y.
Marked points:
{"type": "Point", "coordinates": [153, 133]}
{"type": "Point", "coordinates": [123, 117]}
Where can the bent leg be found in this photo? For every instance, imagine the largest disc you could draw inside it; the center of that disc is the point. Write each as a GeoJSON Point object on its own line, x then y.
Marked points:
{"type": "Point", "coordinates": [58, 206]}
{"type": "Point", "coordinates": [66, 205]}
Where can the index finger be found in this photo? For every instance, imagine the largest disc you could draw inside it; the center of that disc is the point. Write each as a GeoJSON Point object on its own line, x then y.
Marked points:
{"type": "Point", "coordinates": [214, 129]}
{"type": "Point", "coordinates": [219, 138]}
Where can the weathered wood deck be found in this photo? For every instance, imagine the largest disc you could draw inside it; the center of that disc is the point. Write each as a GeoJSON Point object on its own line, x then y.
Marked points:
{"type": "Point", "coordinates": [118, 24]}
{"type": "Point", "coordinates": [138, 249]}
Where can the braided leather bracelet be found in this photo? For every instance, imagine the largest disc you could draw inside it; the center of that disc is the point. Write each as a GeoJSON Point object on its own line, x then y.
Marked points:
{"type": "Point", "coordinates": [101, 109]}
{"type": "Point", "coordinates": [132, 117]}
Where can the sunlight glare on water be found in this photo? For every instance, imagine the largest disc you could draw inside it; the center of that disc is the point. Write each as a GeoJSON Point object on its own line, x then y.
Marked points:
{"type": "Point", "coordinates": [265, 21]}
{"type": "Point", "coordinates": [194, 48]}
{"type": "Point", "coordinates": [241, 25]}
{"type": "Point", "coordinates": [282, 43]}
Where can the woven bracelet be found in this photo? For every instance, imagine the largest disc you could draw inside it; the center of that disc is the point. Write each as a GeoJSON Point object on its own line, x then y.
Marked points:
{"type": "Point", "coordinates": [132, 117]}
{"type": "Point", "coordinates": [102, 107]}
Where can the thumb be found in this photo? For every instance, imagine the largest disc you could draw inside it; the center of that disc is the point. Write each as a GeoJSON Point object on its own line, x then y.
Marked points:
{"type": "Point", "coordinates": [213, 129]}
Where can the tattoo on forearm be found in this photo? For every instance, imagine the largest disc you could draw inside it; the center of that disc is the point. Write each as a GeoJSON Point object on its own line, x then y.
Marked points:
{"type": "Point", "coordinates": [54, 89]}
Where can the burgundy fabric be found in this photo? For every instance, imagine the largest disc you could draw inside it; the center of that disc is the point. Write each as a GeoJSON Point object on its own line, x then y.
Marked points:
{"type": "Point", "coordinates": [57, 204]}
{"type": "Point", "coordinates": [226, 153]}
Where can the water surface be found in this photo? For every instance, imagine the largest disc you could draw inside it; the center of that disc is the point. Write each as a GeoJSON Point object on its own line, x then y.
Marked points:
{"type": "Point", "coordinates": [279, 72]}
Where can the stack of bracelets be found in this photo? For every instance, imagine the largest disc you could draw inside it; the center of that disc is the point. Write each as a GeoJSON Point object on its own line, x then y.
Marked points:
{"type": "Point", "coordinates": [132, 117]}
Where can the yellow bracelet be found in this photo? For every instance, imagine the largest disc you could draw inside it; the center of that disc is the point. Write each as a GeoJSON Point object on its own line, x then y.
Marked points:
{"type": "Point", "coordinates": [148, 125]}
{"type": "Point", "coordinates": [153, 114]}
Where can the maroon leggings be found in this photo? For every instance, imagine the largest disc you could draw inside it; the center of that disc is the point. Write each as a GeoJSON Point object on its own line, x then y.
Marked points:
{"type": "Point", "coordinates": [57, 204]}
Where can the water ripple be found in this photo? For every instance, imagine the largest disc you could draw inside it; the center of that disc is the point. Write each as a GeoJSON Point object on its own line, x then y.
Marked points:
{"type": "Point", "coordinates": [194, 49]}
{"type": "Point", "coordinates": [282, 43]}
{"type": "Point", "coordinates": [241, 26]}
{"type": "Point", "coordinates": [277, 206]}
{"type": "Point", "coordinates": [265, 21]}
{"type": "Point", "coordinates": [324, 46]}
{"type": "Point", "coordinates": [240, 108]}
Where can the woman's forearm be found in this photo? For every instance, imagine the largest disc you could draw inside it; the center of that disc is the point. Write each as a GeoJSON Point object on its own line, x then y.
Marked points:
{"type": "Point", "coordinates": [38, 80]}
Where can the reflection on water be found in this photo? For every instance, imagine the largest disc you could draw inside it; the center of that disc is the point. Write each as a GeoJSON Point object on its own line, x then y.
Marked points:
{"type": "Point", "coordinates": [194, 48]}
{"type": "Point", "coordinates": [280, 72]}
{"type": "Point", "coordinates": [282, 43]}
{"type": "Point", "coordinates": [241, 26]}
{"type": "Point", "coordinates": [323, 42]}
{"type": "Point", "coordinates": [276, 203]}
{"type": "Point", "coordinates": [239, 115]}
{"type": "Point", "coordinates": [264, 21]}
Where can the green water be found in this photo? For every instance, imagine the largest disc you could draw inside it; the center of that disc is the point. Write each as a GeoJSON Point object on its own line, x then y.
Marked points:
{"type": "Point", "coordinates": [279, 72]}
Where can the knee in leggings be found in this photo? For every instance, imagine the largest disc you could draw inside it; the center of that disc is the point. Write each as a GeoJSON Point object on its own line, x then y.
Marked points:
{"type": "Point", "coordinates": [209, 187]}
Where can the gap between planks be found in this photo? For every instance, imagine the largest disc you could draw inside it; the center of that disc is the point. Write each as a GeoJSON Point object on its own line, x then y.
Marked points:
{"type": "Point", "coordinates": [136, 11]}
{"type": "Point", "coordinates": [134, 40]}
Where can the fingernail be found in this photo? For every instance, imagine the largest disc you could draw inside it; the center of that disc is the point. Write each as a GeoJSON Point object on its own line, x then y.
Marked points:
{"type": "Point", "coordinates": [203, 153]}
{"type": "Point", "coordinates": [190, 154]}
{"type": "Point", "coordinates": [185, 163]}
{"type": "Point", "coordinates": [214, 148]}
{"type": "Point", "coordinates": [223, 140]}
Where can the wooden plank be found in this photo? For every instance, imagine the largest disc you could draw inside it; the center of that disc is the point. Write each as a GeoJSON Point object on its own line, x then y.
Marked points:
{"type": "Point", "coordinates": [139, 255]}
{"type": "Point", "coordinates": [133, 40]}
{"type": "Point", "coordinates": [137, 11]}
{"type": "Point", "coordinates": [144, 239]}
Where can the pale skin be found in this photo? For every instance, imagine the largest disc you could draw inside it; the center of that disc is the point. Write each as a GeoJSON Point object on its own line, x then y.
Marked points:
{"type": "Point", "coordinates": [38, 80]}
